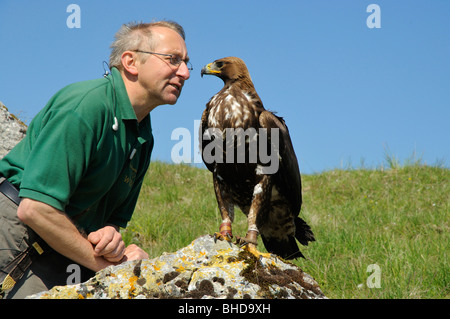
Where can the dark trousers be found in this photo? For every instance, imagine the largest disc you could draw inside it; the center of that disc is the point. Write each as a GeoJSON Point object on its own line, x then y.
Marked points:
{"type": "Point", "coordinates": [47, 270]}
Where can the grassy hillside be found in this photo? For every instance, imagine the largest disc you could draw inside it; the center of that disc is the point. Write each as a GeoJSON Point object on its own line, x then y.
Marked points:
{"type": "Point", "coordinates": [396, 219]}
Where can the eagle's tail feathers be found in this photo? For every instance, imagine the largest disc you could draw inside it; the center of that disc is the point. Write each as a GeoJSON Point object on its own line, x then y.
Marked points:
{"type": "Point", "coordinates": [303, 232]}
{"type": "Point", "coordinates": [286, 249]}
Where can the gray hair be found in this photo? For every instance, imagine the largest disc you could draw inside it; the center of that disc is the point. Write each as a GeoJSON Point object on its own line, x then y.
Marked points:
{"type": "Point", "coordinates": [132, 35]}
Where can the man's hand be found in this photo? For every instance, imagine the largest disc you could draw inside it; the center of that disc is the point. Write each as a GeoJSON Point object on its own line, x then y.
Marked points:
{"type": "Point", "coordinates": [108, 243]}
{"type": "Point", "coordinates": [134, 252]}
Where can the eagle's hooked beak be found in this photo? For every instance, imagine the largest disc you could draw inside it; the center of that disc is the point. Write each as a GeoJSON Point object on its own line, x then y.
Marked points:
{"type": "Point", "coordinates": [210, 69]}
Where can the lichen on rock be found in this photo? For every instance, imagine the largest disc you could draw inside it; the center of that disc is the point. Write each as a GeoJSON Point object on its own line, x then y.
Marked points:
{"type": "Point", "coordinates": [12, 130]}
{"type": "Point", "coordinates": [204, 269]}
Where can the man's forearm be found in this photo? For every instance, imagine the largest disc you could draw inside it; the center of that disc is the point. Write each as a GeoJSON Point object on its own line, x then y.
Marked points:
{"type": "Point", "coordinates": [58, 231]}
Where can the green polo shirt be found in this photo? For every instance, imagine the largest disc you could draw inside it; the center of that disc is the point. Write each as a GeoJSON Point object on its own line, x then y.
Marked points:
{"type": "Point", "coordinates": [72, 158]}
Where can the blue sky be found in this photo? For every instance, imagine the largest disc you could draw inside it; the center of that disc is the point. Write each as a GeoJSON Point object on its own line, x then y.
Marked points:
{"type": "Point", "coordinates": [348, 92]}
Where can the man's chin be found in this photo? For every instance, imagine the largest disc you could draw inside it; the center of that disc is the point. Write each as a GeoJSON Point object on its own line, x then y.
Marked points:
{"type": "Point", "coordinates": [172, 99]}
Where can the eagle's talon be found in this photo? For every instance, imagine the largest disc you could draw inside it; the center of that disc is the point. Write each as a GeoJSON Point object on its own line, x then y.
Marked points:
{"type": "Point", "coordinates": [244, 241]}
{"type": "Point", "coordinates": [241, 241]}
{"type": "Point", "coordinates": [227, 237]}
{"type": "Point", "coordinates": [244, 244]}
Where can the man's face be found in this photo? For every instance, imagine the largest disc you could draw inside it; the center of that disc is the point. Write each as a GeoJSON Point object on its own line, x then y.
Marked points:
{"type": "Point", "coordinates": [162, 80]}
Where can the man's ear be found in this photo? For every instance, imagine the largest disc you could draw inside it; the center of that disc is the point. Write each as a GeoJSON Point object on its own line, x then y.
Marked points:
{"type": "Point", "coordinates": [130, 62]}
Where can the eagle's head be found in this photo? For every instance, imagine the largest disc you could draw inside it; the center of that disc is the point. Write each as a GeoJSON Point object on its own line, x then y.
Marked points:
{"type": "Point", "coordinates": [229, 69]}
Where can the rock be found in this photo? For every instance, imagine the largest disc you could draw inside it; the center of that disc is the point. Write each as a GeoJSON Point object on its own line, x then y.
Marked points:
{"type": "Point", "coordinates": [203, 269]}
{"type": "Point", "coordinates": [12, 130]}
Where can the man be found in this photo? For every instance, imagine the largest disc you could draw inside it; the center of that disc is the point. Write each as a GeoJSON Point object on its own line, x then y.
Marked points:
{"type": "Point", "coordinates": [80, 167]}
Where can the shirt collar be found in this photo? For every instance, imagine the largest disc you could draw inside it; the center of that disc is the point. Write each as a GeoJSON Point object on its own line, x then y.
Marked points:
{"type": "Point", "coordinates": [125, 110]}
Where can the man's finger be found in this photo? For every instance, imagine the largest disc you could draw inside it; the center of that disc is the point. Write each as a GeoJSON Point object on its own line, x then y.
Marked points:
{"type": "Point", "coordinates": [111, 244]}
{"type": "Point", "coordinates": [94, 237]}
{"type": "Point", "coordinates": [116, 254]}
{"type": "Point", "coordinates": [106, 239]}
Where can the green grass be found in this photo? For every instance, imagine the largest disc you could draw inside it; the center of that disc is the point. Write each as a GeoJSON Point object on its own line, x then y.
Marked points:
{"type": "Point", "coordinates": [396, 218]}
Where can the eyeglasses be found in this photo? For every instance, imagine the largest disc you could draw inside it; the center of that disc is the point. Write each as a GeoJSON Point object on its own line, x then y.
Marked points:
{"type": "Point", "coordinates": [175, 60]}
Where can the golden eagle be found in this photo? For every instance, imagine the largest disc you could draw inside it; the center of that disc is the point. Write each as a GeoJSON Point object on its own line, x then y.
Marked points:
{"type": "Point", "coordinates": [249, 151]}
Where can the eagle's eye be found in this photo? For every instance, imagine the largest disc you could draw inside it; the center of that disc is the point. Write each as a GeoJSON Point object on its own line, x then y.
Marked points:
{"type": "Point", "coordinates": [219, 64]}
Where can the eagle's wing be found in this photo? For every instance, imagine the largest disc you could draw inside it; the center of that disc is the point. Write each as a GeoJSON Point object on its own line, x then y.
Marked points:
{"type": "Point", "coordinates": [288, 183]}
{"type": "Point", "coordinates": [287, 179]}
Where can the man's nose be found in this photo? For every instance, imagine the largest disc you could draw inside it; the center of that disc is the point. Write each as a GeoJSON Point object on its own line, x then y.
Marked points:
{"type": "Point", "coordinates": [183, 71]}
